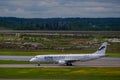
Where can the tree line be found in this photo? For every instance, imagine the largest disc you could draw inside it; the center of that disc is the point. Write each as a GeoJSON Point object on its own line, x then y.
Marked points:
{"type": "Point", "coordinates": [74, 24]}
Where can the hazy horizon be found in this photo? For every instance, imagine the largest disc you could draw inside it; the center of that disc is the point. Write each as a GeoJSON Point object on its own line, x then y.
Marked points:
{"type": "Point", "coordinates": [60, 8]}
{"type": "Point", "coordinates": [53, 17]}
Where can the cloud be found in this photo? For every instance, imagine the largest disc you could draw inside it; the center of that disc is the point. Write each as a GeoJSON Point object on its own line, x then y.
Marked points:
{"type": "Point", "coordinates": [60, 8]}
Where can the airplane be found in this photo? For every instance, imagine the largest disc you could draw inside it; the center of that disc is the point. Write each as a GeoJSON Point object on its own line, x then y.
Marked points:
{"type": "Point", "coordinates": [68, 59]}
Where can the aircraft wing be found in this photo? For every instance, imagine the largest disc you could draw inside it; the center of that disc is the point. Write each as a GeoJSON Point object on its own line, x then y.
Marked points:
{"type": "Point", "coordinates": [67, 61]}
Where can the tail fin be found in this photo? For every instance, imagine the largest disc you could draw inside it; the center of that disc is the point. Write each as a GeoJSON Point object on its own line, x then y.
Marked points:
{"type": "Point", "coordinates": [102, 49]}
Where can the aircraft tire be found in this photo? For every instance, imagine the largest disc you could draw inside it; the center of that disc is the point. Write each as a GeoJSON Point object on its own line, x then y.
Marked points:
{"type": "Point", "coordinates": [38, 64]}
{"type": "Point", "coordinates": [69, 64]}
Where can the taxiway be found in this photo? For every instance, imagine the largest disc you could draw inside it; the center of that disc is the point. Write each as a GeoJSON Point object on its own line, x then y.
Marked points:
{"type": "Point", "coordinates": [103, 62]}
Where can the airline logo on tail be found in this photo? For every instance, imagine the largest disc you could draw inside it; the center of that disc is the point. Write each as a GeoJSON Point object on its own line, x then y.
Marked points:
{"type": "Point", "coordinates": [101, 48]}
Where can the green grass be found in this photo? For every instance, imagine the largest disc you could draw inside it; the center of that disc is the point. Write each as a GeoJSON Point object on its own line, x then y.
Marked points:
{"type": "Point", "coordinates": [33, 53]}
{"type": "Point", "coordinates": [37, 52]}
{"type": "Point", "coordinates": [62, 73]}
{"type": "Point", "coordinates": [19, 62]}
{"type": "Point", "coordinates": [114, 55]}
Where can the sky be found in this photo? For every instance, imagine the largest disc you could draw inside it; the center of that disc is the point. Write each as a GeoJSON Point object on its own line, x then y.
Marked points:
{"type": "Point", "coordinates": [59, 8]}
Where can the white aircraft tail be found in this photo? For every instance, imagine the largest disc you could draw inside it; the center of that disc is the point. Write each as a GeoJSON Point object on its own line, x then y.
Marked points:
{"type": "Point", "coordinates": [102, 49]}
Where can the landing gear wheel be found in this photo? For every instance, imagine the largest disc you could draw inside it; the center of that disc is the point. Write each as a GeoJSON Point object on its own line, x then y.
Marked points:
{"type": "Point", "coordinates": [38, 64]}
{"type": "Point", "coordinates": [69, 64]}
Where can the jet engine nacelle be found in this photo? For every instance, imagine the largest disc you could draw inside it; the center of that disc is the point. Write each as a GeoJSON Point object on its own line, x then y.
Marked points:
{"type": "Point", "coordinates": [61, 62]}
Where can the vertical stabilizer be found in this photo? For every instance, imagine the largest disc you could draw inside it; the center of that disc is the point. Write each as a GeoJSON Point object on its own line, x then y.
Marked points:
{"type": "Point", "coordinates": [102, 49]}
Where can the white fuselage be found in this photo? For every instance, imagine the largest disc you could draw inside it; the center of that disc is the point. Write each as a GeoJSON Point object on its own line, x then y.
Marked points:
{"type": "Point", "coordinates": [73, 57]}
{"type": "Point", "coordinates": [69, 58]}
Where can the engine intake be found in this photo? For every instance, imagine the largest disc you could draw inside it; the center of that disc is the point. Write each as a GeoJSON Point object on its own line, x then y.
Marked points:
{"type": "Point", "coordinates": [61, 62]}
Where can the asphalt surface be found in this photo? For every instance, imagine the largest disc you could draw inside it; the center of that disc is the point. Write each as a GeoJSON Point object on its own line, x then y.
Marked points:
{"type": "Point", "coordinates": [102, 62]}
{"type": "Point", "coordinates": [16, 58]}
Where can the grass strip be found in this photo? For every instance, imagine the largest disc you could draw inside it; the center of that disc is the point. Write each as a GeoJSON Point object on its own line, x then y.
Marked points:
{"type": "Point", "coordinates": [19, 62]}
{"type": "Point", "coordinates": [30, 53]}
{"type": "Point", "coordinates": [62, 73]}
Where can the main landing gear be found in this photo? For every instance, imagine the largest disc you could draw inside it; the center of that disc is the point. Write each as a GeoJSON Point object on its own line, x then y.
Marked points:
{"type": "Point", "coordinates": [38, 64]}
{"type": "Point", "coordinates": [69, 64]}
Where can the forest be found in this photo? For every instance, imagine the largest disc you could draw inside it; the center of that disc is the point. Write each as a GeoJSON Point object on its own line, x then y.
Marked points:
{"type": "Point", "coordinates": [66, 24]}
